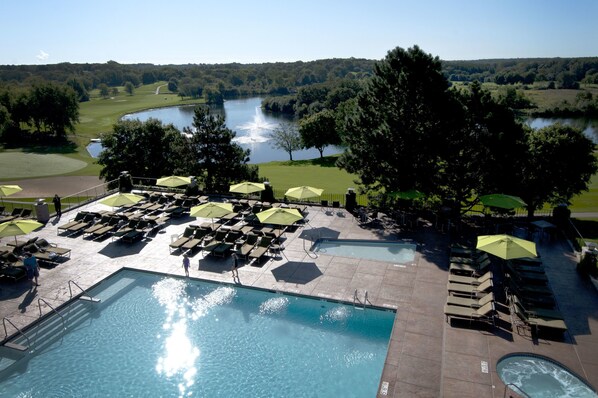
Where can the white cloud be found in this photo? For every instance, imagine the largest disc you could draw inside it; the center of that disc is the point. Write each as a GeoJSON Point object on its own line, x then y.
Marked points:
{"type": "Point", "coordinates": [42, 56]}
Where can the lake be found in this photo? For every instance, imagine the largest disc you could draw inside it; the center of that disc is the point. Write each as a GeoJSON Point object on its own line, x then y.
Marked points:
{"type": "Point", "coordinates": [588, 126]}
{"type": "Point", "coordinates": [247, 119]}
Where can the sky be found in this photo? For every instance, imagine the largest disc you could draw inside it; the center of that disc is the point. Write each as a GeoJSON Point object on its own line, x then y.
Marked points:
{"type": "Point", "coordinates": [259, 31]}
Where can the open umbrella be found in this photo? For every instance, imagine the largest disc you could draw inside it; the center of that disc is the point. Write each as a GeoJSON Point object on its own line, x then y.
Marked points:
{"type": "Point", "coordinates": [303, 192]}
{"type": "Point", "coordinates": [121, 199]}
{"type": "Point", "coordinates": [6, 190]}
{"type": "Point", "coordinates": [18, 227]}
{"type": "Point", "coordinates": [211, 210]}
{"type": "Point", "coordinates": [506, 247]}
{"type": "Point", "coordinates": [247, 187]}
{"type": "Point", "coordinates": [279, 216]}
{"type": "Point", "coordinates": [502, 201]}
{"type": "Point", "coordinates": [408, 195]}
{"type": "Point", "coordinates": [173, 181]}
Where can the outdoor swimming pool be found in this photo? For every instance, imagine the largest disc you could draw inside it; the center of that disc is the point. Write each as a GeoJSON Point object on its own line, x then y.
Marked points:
{"type": "Point", "coordinates": [394, 252]}
{"type": "Point", "coordinates": [541, 377]}
{"type": "Point", "coordinates": [153, 335]}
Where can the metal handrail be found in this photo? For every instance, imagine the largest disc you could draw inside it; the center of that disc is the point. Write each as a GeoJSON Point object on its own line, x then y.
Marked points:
{"type": "Point", "coordinates": [39, 305]}
{"type": "Point", "coordinates": [511, 385]}
{"type": "Point", "coordinates": [80, 288]}
{"type": "Point", "coordinates": [16, 327]}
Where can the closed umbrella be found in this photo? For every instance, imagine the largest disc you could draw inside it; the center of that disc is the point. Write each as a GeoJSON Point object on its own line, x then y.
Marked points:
{"type": "Point", "coordinates": [502, 201]}
{"type": "Point", "coordinates": [173, 181]}
{"type": "Point", "coordinates": [506, 247]}
{"type": "Point", "coordinates": [121, 199]}
{"type": "Point", "coordinates": [279, 216]}
{"type": "Point", "coordinates": [303, 192]}
{"type": "Point", "coordinates": [247, 187]}
{"type": "Point", "coordinates": [211, 210]}
{"type": "Point", "coordinates": [18, 227]}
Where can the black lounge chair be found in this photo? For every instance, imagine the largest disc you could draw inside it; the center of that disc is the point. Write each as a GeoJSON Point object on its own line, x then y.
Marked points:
{"type": "Point", "coordinates": [196, 240]}
{"type": "Point", "coordinates": [211, 244]}
{"type": "Point", "coordinates": [486, 313]}
{"type": "Point", "coordinates": [539, 323]}
{"type": "Point", "coordinates": [100, 224]}
{"type": "Point", "coordinates": [87, 221]}
{"type": "Point", "coordinates": [13, 273]}
{"type": "Point", "coordinates": [186, 236]}
{"type": "Point", "coordinates": [137, 234]}
{"type": "Point", "coordinates": [78, 218]}
{"type": "Point", "coordinates": [112, 225]}
{"type": "Point", "coordinates": [470, 302]}
{"type": "Point", "coordinates": [248, 245]}
{"type": "Point", "coordinates": [262, 247]}
{"type": "Point", "coordinates": [229, 242]}
{"type": "Point", "coordinates": [131, 225]}
{"type": "Point", "coordinates": [45, 246]}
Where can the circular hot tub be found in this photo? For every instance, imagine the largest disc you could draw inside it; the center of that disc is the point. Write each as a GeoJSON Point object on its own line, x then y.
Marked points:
{"type": "Point", "coordinates": [541, 377]}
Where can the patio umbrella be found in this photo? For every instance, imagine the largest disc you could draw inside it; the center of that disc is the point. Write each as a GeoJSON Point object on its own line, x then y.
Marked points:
{"type": "Point", "coordinates": [121, 199]}
{"type": "Point", "coordinates": [211, 210]}
{"type": "Point", "coordinates": [303, 192]}
{"type": "Point", "coordinates": [408, 195]}
{"type": "Point", "coordinates": [506, 247]}
{"type": "Point", "coordinates": [173, 181]}
{"type": "Point", "coordinates": [502, 201]}
{"type": "Point", "coordinates": [18, 227]}
{"type": "Point", "coordinates": [279, 216]}
{"type": "Point", "coordinates": [6, 190]}
{"type": "Point", "coordinates": [247, 187]}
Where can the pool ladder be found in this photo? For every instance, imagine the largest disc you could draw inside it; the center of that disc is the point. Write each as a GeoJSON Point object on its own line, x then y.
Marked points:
{"type": "Point", "coordinates": [513, 387]}
{"type": "Point", "coordinates": [356, 298]}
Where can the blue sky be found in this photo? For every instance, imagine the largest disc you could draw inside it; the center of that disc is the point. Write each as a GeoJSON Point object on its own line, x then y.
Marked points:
{"type": "Point", "coordinates": [221, 31]}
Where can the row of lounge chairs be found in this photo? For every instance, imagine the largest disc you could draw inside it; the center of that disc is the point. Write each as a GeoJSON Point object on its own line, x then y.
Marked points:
{"type": "Point", "coordinates": [16, 213]}
{"type": "Point", "coordinates": [470, 284]}
{"type": "Point", "coordinates": [11, 265]}
{"type": "Point", "coordinates": [531, 299]}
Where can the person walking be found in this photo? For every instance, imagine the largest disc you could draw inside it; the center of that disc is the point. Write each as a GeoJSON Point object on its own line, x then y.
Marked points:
{"type": "Point", "coordinates": [235, 266]}
{"type": "Point", "coordinates": [32, 268]}
{"type": "Point", "coordinates": [57, 205]}
{"type": "Point", "coordinates": [186, 264]}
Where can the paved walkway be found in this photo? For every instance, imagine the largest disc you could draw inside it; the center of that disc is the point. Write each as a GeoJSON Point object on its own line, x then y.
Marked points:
{"type": "Point", "coordinates": [427, 357]}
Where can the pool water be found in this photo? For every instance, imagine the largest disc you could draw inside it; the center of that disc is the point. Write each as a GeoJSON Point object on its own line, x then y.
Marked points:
{"type": "Point", "coordinates": [395, 252]}
{"type": "Point", "coordinates": [540, 377]}
{"type": "Point", "coordinates": [160, 336]}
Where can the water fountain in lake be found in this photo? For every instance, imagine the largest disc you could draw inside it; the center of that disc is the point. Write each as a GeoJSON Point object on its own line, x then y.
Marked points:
{"type": "Point", "coordinates": [256, 130]}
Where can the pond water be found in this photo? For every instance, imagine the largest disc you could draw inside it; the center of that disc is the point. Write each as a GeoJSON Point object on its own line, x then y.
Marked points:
{"type": "Point", "coordinates": [247, 119]}
{"type": "Point", "coordinates": [587, 125]}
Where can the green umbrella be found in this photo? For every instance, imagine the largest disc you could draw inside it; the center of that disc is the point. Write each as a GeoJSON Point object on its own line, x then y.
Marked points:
{"type": "Point", "coordinates": [303, 192]}
{"type": "Point", "coordinates": [18, 227]}
{"type": "Point", "coordinates": [121, 199]}
{"type": "Point", "coordinates": [506, 247]}
{"type": "Point", "coordinates": [211, 210]}
{"type": "Point", "coordinates": [247, 187]}
{"type": "Point", "coordinates": [173, 181]}
{"type": "Point", "coordinates": [502, 201]}
{"type": "Point", "coordinates": [407, 195]}
{"type": "Point", "coordinates": [6, 190]}
{"type": "Point", "coordinates": [279, 216]}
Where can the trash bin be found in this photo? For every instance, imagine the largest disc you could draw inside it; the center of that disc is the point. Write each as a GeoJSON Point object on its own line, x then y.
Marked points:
{"type": "Point", "coordinates": [41, 210]}
{"type": "Point", "coordinates": [350, 200]}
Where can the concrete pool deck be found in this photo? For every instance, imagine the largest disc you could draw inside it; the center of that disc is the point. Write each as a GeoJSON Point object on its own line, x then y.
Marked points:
{"type": "Point", "coordinates": [427, 357]}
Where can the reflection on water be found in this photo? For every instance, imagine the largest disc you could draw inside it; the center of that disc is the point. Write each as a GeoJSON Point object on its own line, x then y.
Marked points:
{"type": "Point", "coordinates": [588, 126]}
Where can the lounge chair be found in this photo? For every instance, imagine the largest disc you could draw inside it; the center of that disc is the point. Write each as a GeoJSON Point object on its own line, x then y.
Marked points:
{"type": "Point", "coordinates": [87, 221]}
{"type": "Point", "coordinates": [229, 242]}
{"type": "Point", "coordinates": [248, 245]}
{"type": "Point", "coordinates": [112, 225]}
{"type": "Point", "coordinates": [469, 290]}
{"type": "Point", "coordinates": [136, 234]}
{"type": "Point", "coordinates": [261, 248]}
{"type": "Point", "coordinates": [78, 218]}
{"type": "Point", "coordinates": [210, 243]}
{"type": "Point", "coordinates": [13, 273]}
{"type": "Point", "coordinates": [183, 238]}
{"type": "Point", "coordinates": [26, 213]}
{"type": "Point", "coordinates": [46, 246]}
{"type": "Point", "coordinates": [469, 259]}
{"type": "Point", "coordinates": [520, 267]}
{"type": "Point", "coordinates": [100, 224]}
{"type": "Point", "coordinates": [536, 311]}
{"type": "Point", "coordinates": [485, 313]}
{"type": "Point", "coordinates": [469, 269]}
{"type": "Point", "coordinates": [43, 256]}
{"type": "Point", "coordinates": [526, 289]}
{"type": "Point", "coordinates": [470, 302]}
{"type": "Point", "coordinates": [537, 322]}
{"type": "Point", "coordinates": [469, 280]}
{"type": "Point", "coordinates": [131, 225]}
{"type": "Point", "coordinates": [522, 277]}
{"type": "Point", "coordinates": [196, 240]}
{"type": "Point", "coordinates": [461, 251]}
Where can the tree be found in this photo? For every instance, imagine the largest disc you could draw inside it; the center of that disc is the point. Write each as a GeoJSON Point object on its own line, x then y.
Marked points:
{"type": "Point", "coordinates": [319, 130]}
{"type": "Point", "coordinates": [53, 108]}
{"type": "Point", "coordinates": [129, 88]}
{"type": "Point", "coordinates": [144, 149]}
{"type": "Point", "coordinates": [559, 165]}
{"type": "Point", "coordinates": [398, 129]}
{"type": "Point", "coordinates": [213, 156]}
{"type": "Point", "coordinates": [286, 138]}
{"type": "Point", "coordinates": [104, 91]}
{"type": "Point", "coordinates": [114, 91]}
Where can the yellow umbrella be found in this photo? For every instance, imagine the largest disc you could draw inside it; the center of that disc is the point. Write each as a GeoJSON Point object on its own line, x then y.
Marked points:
{"type": "Point", "coordinates": [173, 181]}
{"type": "Point", "coordinates": [247, 187]}
{"type": "Point", "coordinates": [6, 190]}
{"type": "Point", "coordinates": [211, 210]}
{"type": "Point", "coordinates": [121, 199]}
{"type": "Point", "coordinates": [506, 247]}
{"type": "Point", "coordinates": [279, 216]}
{"type": "Point", "coordinates": [303, 192]}
{"type": "Point", "coordinates": [18, 227]}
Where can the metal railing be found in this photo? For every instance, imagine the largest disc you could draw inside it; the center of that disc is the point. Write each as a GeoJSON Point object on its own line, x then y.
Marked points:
{"type": "Point", "coordinates": [4, 320]}
{"type": "Point", "coordinates": [39, 305]}
{"type": "Point", "coordinates": [519, 392]}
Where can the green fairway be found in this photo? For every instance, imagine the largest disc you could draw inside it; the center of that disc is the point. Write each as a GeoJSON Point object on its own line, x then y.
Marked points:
{"type": "Point", "coordinates": [16, 165]}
